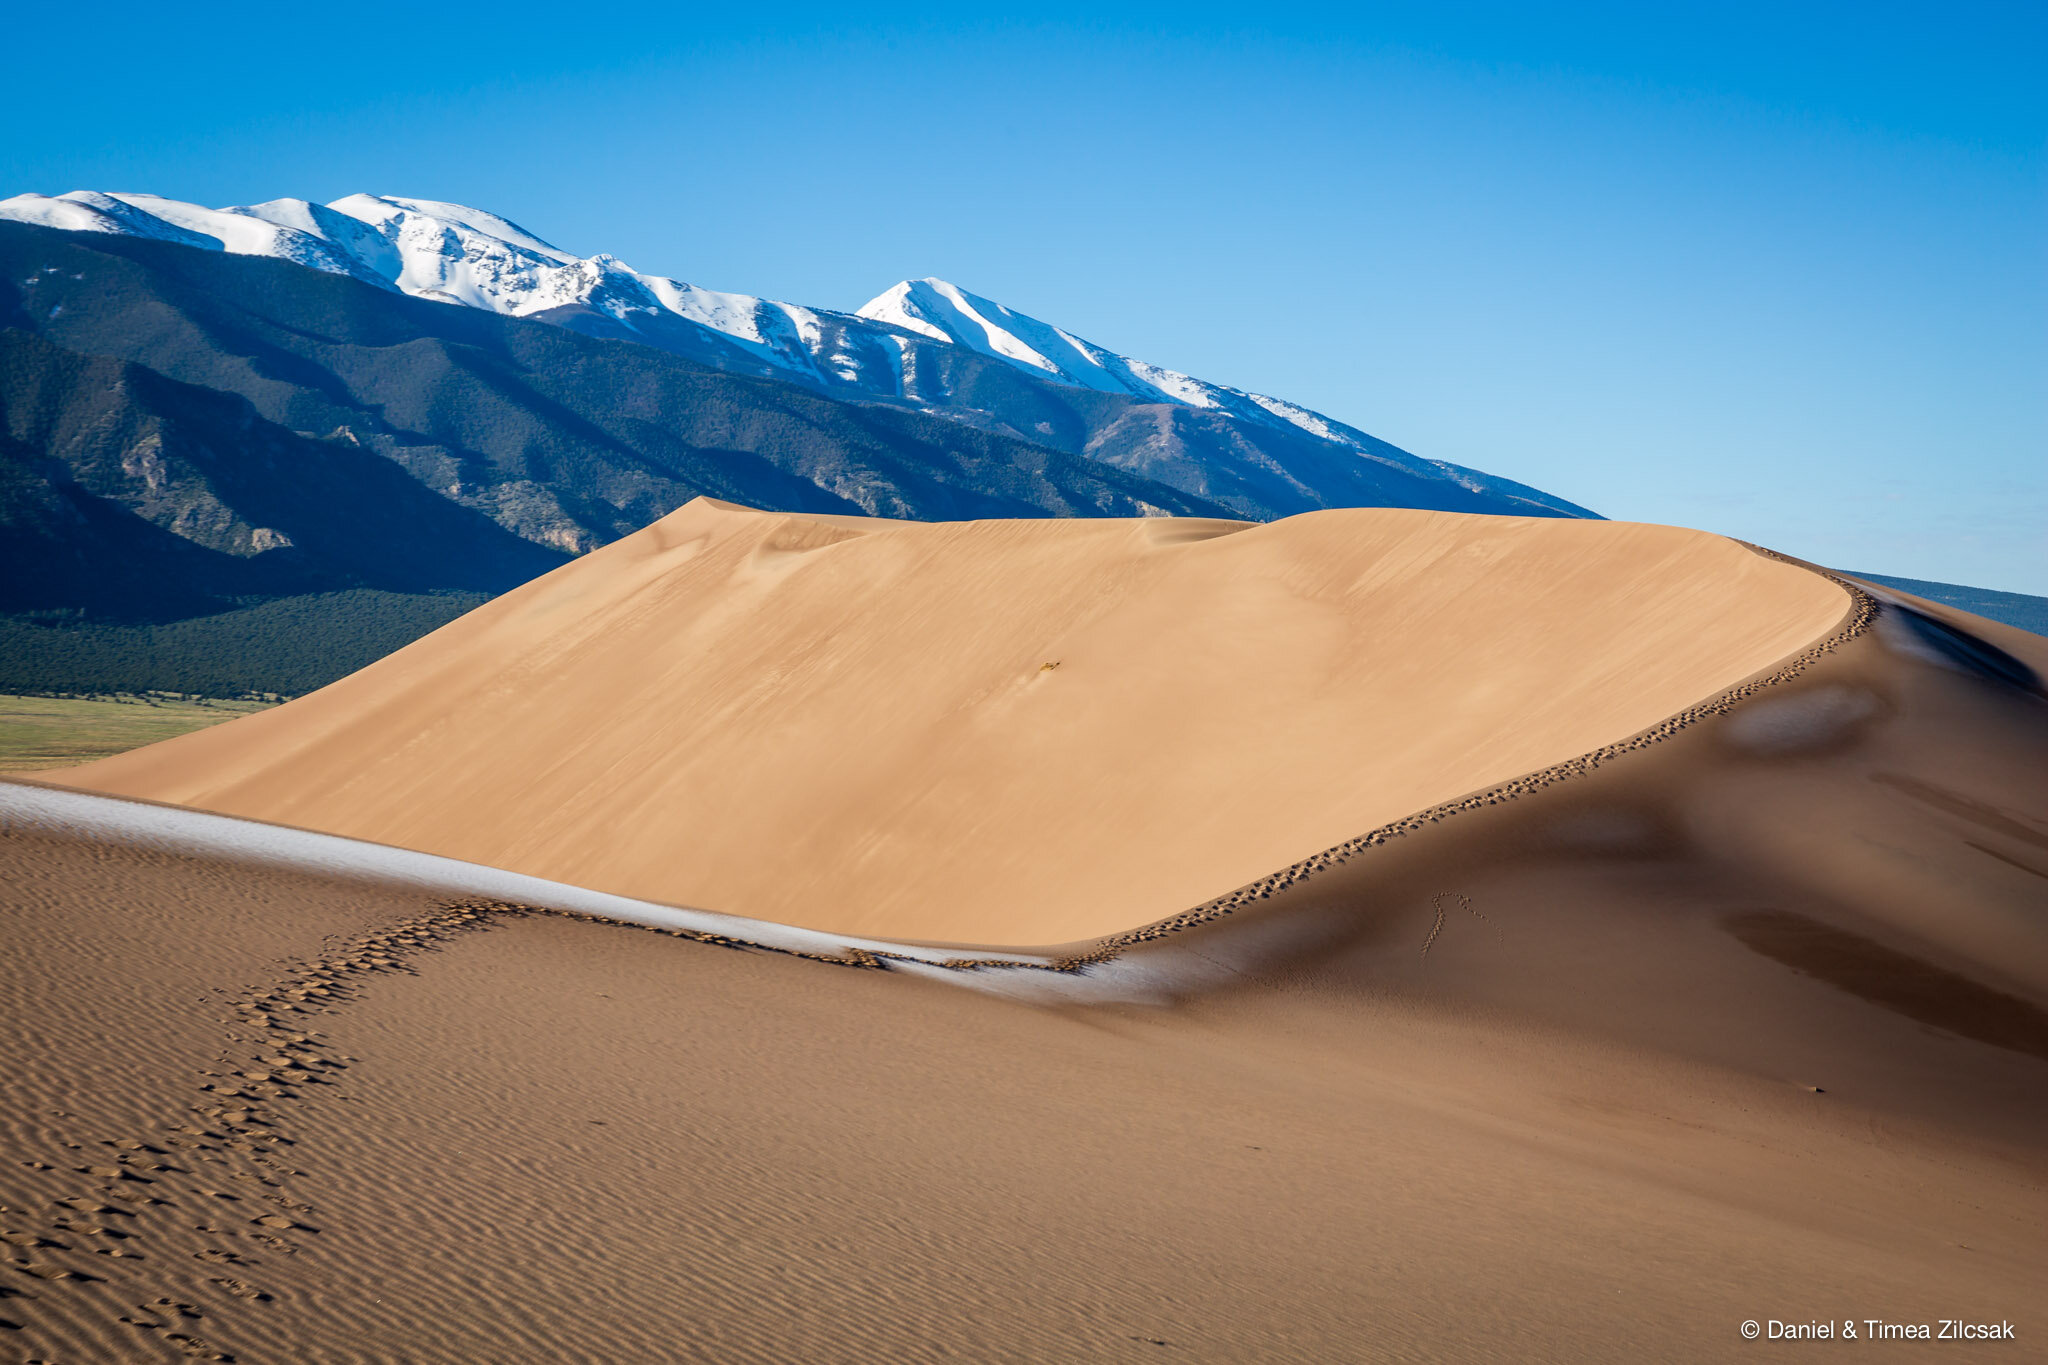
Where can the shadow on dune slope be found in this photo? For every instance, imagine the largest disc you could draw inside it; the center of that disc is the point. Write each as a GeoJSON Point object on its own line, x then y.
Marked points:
{"type": "Point", "coordinates": [1841, 883]}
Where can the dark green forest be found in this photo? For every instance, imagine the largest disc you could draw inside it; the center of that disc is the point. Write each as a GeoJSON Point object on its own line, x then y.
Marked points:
{"type": "Point", "coordinates": [287, 646]}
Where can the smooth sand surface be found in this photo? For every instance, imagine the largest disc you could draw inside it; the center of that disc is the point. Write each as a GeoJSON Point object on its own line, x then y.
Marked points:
{"type": "Point", "coordinates": [996, 732]}
{"type": "Point", "coordinates": [1749, 1022]}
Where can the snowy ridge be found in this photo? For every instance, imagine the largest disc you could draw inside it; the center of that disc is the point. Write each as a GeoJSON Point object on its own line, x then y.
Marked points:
{"type": "Point", "coordinates": [946, 312]}
{"type": "Point", "coordinates": [893, 349]}
{"type": "Point", "coordinates": [433, 250]}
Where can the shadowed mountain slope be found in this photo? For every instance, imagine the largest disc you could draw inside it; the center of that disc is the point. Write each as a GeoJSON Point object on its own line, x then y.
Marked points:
{"type": "Point", "coordinates": [566, 441]}
{"type": "Point", "coordinates": [128, 496]}
{"type": "Point", "coordinates": [922, 345]}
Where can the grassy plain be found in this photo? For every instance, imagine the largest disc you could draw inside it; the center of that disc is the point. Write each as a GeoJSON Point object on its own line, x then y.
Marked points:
{"type": "Point", "coordinates": [38, 733]}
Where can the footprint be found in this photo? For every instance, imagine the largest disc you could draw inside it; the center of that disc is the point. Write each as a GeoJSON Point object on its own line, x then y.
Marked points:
{"type": "Point", "coordinates": [242, 1289]}
{"type": "Point", "coordinates": [93, 1230]}
{"type": "Point", "coordinates": [171, 1308]}
{"type": "Point", "coordinates": [48, 1270]}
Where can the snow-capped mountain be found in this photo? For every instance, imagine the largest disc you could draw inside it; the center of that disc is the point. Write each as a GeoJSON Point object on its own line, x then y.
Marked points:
{"type": "Point", "coordinates": [910, 345]}
{"type": "Point", "coordinates": [945, 312]}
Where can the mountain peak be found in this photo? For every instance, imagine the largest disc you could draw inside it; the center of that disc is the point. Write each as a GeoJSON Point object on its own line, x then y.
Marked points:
{"type": "Point", "coordinates": [888, 350]}
{"type": "Point", "coordinates": [942, 310]}
{"type": "Point", "coordinates": [379, 208]}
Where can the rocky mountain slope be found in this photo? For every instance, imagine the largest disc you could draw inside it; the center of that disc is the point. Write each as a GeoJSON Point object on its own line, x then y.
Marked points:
{"type": "Point", "coordinates": [542, 440]}
{"type": "Point", "coordinates": [922, 344]}
{"type": "Point", "coordinates": [129, 495]}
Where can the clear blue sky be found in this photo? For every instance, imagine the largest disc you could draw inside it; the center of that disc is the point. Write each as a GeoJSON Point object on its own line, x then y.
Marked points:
{"type": "Point", "coordinates": [1779, 271]}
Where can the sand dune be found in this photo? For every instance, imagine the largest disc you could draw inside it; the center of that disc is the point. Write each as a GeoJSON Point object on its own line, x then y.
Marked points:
{"type": "Point", "coordinates": [1737, 1010]}
{"type": "Point", "coordinates": [1743, 1024]}
{"type": "Point", "coordinates": [996, 732]}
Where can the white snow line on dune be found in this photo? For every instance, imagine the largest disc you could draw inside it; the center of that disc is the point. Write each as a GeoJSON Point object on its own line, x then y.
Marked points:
{"type": "Point", "coordinates": [171, 829]}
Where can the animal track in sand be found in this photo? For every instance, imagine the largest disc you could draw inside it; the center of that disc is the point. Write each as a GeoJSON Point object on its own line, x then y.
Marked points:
{"type": "Point", "coordinates": [1465, 902]}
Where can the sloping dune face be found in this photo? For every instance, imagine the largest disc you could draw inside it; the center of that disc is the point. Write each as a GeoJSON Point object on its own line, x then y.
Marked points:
{"type": "Point", "coordinates": [997, 732]}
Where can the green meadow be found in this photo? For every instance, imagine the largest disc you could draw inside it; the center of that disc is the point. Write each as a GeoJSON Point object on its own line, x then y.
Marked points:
{"type": "Point", "coordinates": [40, 733]}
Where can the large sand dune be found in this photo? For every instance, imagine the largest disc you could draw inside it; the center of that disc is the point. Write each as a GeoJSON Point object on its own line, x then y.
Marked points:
{"type": "Point", "coordinates": [1745, 1024]}
{"type": "Point", "coordinates": [997, 732]}
{"type": "Point", "coordinates": [1745, 1020]}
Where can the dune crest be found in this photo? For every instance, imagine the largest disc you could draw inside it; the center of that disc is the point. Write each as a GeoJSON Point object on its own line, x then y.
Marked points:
{"type": "Point", "coordinates": [1020, 732]}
